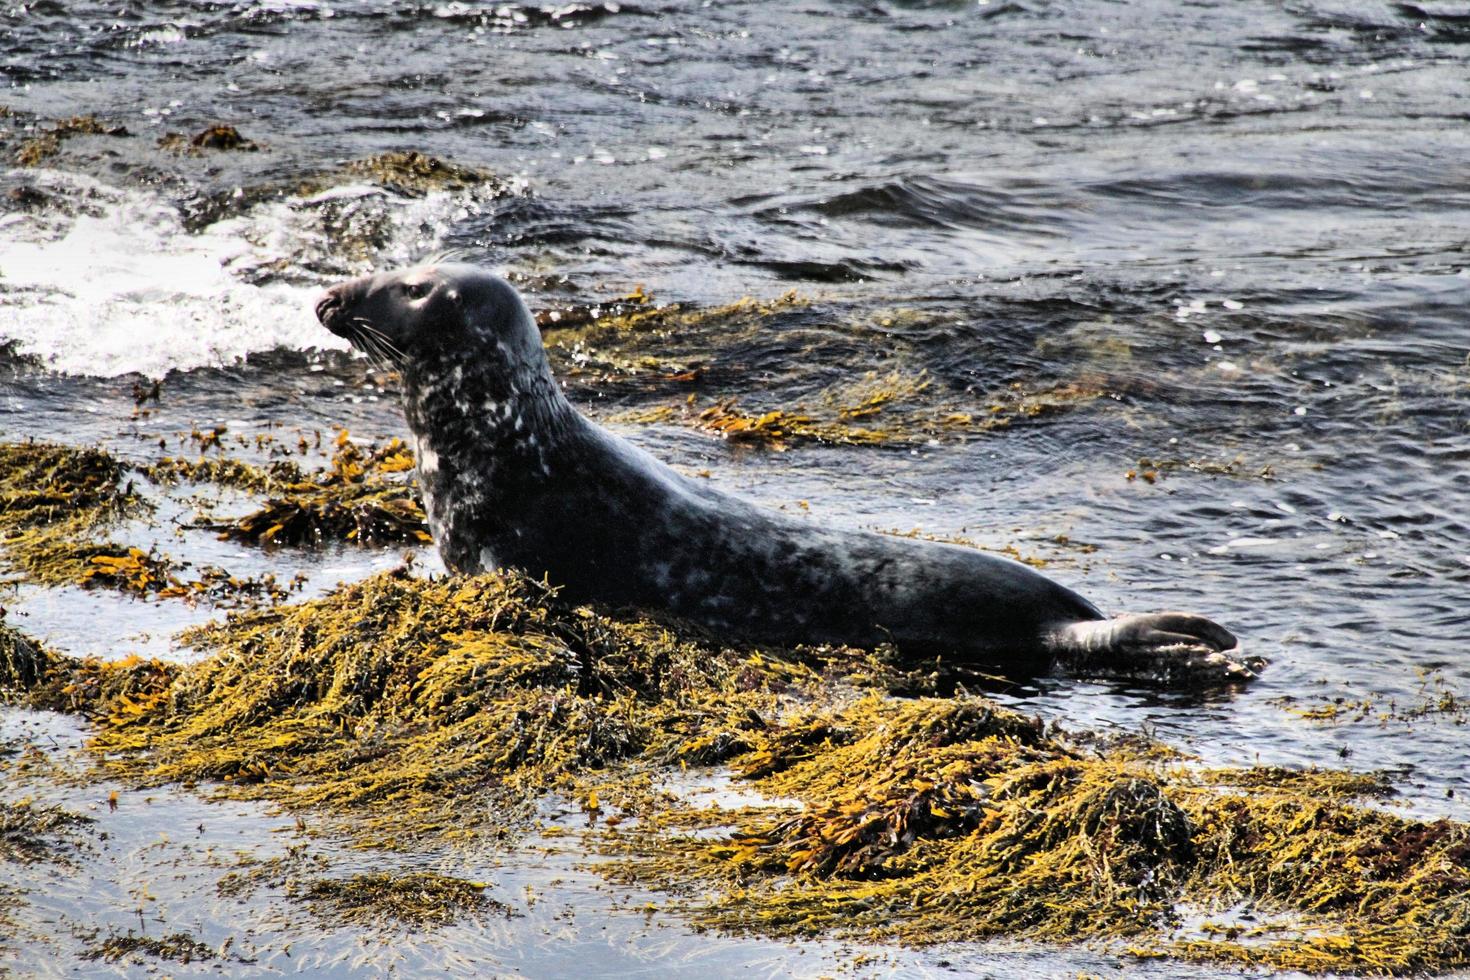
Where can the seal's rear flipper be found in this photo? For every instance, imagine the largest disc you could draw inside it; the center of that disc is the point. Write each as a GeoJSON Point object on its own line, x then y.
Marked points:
{"type": "Point", "coordinates": [1174, 647]}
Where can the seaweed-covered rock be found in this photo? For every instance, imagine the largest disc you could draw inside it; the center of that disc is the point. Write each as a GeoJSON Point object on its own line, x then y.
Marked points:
{"type": "Point", "coordinates": [419, 899]}
{"type": "Point", "coordinates": [415, 703]}
{"type": "Point", "coordinates": [54, 500]}
{"type": "Point", "coordinates": [38, 149]}
{"type": "Point", "coordinates": [356, 499]}
{"type": "Point", "coordinates": [24, 664]}
{"type": "Point", "coordinates": [423, 710]}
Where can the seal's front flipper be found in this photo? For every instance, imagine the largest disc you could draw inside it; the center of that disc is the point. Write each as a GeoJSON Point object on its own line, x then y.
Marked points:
{"type": "Point", "coordinates": [1175, 647]}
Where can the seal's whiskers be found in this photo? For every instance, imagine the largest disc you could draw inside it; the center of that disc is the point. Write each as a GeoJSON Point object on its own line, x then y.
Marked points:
{"type": "Point", "coordinates": [379, 349]}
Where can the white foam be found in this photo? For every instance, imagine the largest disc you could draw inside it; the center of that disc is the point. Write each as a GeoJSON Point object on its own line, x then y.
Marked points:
{"type": "Point", "coordinates": [122, 286]}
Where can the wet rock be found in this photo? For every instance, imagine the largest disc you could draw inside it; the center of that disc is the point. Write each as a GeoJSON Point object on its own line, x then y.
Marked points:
{"type": "Point", "coordinates": [220, 136]}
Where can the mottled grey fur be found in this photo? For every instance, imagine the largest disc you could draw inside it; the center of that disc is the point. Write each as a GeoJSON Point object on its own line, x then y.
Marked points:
{"type": "Point", "coordinates": [514, 476]}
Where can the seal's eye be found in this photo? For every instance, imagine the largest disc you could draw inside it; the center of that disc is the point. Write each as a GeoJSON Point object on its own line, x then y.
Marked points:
{"type": "Point", "coordinates": [416, 290]}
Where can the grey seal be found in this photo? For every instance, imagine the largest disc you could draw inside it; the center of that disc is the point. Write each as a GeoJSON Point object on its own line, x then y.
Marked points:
{"type": "Point", "coordinates": [514, 476]}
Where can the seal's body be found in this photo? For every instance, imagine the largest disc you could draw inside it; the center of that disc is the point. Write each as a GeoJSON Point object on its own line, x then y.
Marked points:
{"type": "Point", "coordinates": [514, 476]}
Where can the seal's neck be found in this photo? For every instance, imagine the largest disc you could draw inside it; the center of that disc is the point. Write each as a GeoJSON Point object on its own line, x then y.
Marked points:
{"type": "Point", "coordinates": [488, 430]}
{"type": "Point", "coordinates": [484, 410]}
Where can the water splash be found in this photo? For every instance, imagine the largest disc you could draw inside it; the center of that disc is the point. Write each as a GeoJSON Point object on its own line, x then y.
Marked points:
{"type": "Point", "coordinates": [107, 281]}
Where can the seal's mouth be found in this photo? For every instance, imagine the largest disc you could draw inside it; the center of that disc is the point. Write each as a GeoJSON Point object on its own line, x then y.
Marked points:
{"type": "Point", "coordinates": [332, 313]}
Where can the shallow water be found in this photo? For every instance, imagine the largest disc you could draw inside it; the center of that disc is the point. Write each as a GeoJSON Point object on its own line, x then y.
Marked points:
{"type": "Point", "coordinates": [1245, 222]}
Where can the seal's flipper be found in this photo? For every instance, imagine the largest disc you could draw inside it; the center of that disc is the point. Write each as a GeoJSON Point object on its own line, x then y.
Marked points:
{"type": "Point", "coordinates": [1179, 647]}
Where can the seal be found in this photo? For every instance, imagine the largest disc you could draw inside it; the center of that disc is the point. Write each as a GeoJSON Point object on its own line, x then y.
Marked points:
{"type": "Point", "coordinates": [513, 476]}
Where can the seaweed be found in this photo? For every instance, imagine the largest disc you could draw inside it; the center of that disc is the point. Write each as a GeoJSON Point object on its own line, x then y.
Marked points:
{"type": "Point", "coordinates": [36, 150]}
{"type": "Point", "coordinates": [410, 174]}
{"type": "Point", "coordinates": [284, 871]}
{"type": "Point", "coordinates": [53, 500]}
{"type": "Point", "coordinates": [219, 136]}
{"type": "Point", "coordinates": [37, 677]}
{"type": "Point", "coordinates": [634, 348]}
{"type": "Point", "coordinates": [24, 664]}
{"type": "Point", "coordinates": [30, 833]}
{"type": "Point", "coordinates": [423, 708]}
{"type": "Point", "coordinates": [419, 899]}
{"type": "Point", "coordinates": [56, 502]}
{"type": "Point", "coordinates": [636, 316]}
{"type": "Point", "coordinates": [1152, 470]}
{"type": "Point", "coordinates": [922, 825]}
{"type": "Point", "coordinates": [43, 484]}
{"type": "Point", "coordinates": [357, 498]}
{"type": "Point", "coordinates": [894, 410]}
{"type": "Point", "coordinates": [410, 712]}
{"type": "Point", "coordinates": [633, 340]}
{"type": "Point", "coordinates": [226, 472]}
{"type": "Point", "coordinates": [778, 428]}
{"type": "Point", "coordinates": [179, 947]}
{"type": "Point", "coordinates": [1436, 700]}
{"type": "Point", "coordinates": [569, 316]}
{"type": "Point", "coordinates": [377, 899]}
{"type": "Point", "coordinates": [132, 571]}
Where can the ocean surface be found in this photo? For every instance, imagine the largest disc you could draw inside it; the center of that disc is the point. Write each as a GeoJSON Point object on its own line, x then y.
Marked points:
{"type": "Point", "coordinates": [1246, 223]}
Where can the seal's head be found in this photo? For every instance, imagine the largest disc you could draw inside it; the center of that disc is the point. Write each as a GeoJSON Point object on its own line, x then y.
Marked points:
{"type": "Point", "coordinates": [469, 357]}
{"type": "Point", "coordinates": [430, 313]}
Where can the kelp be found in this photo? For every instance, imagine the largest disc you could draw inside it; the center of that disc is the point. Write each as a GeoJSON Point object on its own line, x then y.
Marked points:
{"type": "Point", "coordinates": [57, 502]}
{"type": "Point", "coordinates": [356, 498]}
{"type": "Point", "coordinates": [54, 500]}
{"type": "Point", "coordinates": [410, 712]}
{"type": "Point", "coordinates": [31, 833]}
{"type": "Point", "coordinates": [38, 149]}
{"type": "Point", "coordinates": [928, 822]}
{"type": "Point", "coordinates": [179, 947]}
{"type": "Point", "coordinates": [419, 899]}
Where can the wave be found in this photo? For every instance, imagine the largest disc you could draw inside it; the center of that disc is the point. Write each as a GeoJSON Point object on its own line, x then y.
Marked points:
{"type": "Point", "coordinates": [104, 281]}
{"type": "Point", "coordinates": [947, 203]}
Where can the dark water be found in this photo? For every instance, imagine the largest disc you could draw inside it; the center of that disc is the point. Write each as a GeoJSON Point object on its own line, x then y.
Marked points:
{"type": "Point", "coordinates": [1247, 221]}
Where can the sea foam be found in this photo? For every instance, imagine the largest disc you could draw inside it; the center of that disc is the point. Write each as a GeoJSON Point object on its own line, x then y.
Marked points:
{"type": "Point", "coordinates": [112, 282]}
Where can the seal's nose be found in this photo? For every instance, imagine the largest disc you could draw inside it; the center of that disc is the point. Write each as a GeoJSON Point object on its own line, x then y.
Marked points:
{"type": "Point", "coordinates": [328, 305]}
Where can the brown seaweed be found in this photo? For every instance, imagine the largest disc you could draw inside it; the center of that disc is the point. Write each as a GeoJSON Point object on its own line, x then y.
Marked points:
{"type": "Point", "coordinates": [414, 711]}
{"type": "Point", "coordinates": [420, 899]}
